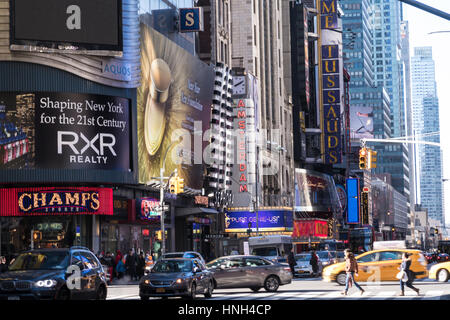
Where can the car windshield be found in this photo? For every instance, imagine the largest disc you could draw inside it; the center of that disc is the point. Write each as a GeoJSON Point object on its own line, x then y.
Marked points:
{"type": "Point", "coordinates": [173, 255]}
{"type": "Point", "coordinates": [325, 255]}
{"type": "Point", "coordinates": [52, 260]}
{"type": "Point", "coordinates": [303, 257]}
{"type": "Point", "coordinates": [172, 266]}
{"type": "Point", "coordinates": [265, 252]}
{"type": "Point", "coordinates": [215, 263]}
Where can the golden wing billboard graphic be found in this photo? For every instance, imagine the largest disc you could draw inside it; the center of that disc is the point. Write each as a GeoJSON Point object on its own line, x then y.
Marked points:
{"type": "Point", "coordinates": [174, 109]}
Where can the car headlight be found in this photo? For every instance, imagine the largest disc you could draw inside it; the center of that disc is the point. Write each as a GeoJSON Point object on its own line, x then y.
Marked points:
{"type": "Point", "coordinates": [179, 281]}
{"type": "Point", "coordinates": [45, 283]}
{"type": "Point", "coordinates": [327, 271]}
{"type": "Point", "coordinates": [146, 281]}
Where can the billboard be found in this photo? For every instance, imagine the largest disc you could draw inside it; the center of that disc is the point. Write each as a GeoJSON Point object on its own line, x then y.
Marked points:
{"type": "Point", "coordinates": [53, 130]}
{"type": "Point", "coordinates": [353, 201]}
{"type": "Point", "coordinates": [55, 201]}
{"type": "Point", "coordinates": [310, 228]}
{"type": "Point", "coordinates": [67, 24]}
{"type": "Point", "coordinates": [361, 122]}
{"type": "Point", "coordinates": [174, 109]}
{"type": "Point", "coordinates": [147, 209]}
{"type": "Point", "coordinates": [268, 220]}
{"type": "Point", "coordinates": [315, 192]}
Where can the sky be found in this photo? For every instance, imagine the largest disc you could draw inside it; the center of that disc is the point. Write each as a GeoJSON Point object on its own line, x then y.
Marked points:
{"type": "Point", "coordinates": [421, 24]}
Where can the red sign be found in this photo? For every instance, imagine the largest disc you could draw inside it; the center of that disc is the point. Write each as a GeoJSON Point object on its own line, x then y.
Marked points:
{"type": "Point", "coordinates": [55, 201]}
{"type": "Point", "coordinates": [310, 228]}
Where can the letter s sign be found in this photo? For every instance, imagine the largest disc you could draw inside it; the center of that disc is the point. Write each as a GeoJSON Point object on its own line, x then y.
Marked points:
{"type": "Point", "coordinates": [191, 19]}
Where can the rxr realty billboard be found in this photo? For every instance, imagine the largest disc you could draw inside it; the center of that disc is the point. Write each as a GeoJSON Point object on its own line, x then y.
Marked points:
{"type": "Point", "coordinates": [64, 131]}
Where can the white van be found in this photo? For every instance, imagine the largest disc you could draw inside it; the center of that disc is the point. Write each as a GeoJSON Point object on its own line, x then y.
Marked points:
{"type": "Point", "coordinates": [274, 248]}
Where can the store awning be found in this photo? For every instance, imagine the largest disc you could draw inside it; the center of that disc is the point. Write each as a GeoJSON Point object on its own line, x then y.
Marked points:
{"type": "Point", "coordinates": [192, 211]}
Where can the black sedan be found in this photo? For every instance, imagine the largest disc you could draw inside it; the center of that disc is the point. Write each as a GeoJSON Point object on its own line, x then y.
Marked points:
{"type": "Point", "coordinates": [63, 274]}
{"type": "Point", "coordinates": [177, 277]}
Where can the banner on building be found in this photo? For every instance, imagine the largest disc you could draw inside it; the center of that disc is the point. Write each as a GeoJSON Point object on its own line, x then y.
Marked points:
{"type": "Point", "coordinates": [268, 220]}
{"type": "Point", "coordinates": [174, 109]}
{"type": "Point", "coordinates": [52, 130]}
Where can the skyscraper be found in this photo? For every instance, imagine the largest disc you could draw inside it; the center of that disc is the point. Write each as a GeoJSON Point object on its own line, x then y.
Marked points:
{"type": "Point", "coordinates": [426, 124]}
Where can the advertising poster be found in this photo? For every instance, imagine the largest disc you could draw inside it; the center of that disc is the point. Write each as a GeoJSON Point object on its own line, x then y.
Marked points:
{"type": "Point", "coordinates": [361, 122]}
{"type": "Point", "coordinates": [174, 110]}
{"type": "Point", "coordinates": [48, 130]}
{"type": "Point", "coordinates": [268, 220]}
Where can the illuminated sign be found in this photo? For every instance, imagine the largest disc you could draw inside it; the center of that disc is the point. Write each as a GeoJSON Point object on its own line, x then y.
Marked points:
{"type": "Point", "coordinates": [191, 19]}
{"type": "Point", "coordinates": [148, 209]}
{"type": "Point", "coordinates": [365, 207]}
{"type": "Point", "coordinates": [201, 200]}
{"type": "Point", "coordinates": [241, 119]}
{"type": "Point", "coordinates": [55, 201]}
{"type": "Point", "coordinates": [268, 220]}
{"type": "Point", "coordinates": [310, 228]}
{"type": "Point", "coordinates": [331, 99]}
{"type": "Point", "coordinates": [353, 201]}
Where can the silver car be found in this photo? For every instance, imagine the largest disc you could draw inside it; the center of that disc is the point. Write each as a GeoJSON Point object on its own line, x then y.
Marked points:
{"type": "Point", "coordinates": [252, 272]}
{"type": "Point", "coordinates": [186, 254]}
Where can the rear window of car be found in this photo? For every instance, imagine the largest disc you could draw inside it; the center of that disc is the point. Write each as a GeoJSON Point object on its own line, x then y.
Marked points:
{"type": "Point", "coordinates": [303, 257]}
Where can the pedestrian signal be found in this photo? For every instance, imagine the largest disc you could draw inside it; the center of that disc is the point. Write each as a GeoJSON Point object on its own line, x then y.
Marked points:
{"type": "Point", "coordinates": [37, 235]}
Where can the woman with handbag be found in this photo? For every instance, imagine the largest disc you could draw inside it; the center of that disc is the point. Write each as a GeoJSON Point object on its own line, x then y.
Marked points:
{"type": "Point", "coordinates": [406, 275]}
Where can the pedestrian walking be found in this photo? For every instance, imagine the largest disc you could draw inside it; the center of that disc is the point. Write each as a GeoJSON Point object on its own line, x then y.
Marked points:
{"type": "Point", "coordinates": [120, 268]}
{"type": "Point", "coordinates": [130, 265]}
{"type": "Point", "coordinates": [140, 265]}
{"type": "Point", "coordinates": [314, 262]}
{"type": "Point", "coordinates": [351, 268]}
{"type": "Point", "coordinates": [406, 274]}
{"type": "Point", "coordinates": [3, 265]}
{"type": "Point", "coordinates": [291, 261]}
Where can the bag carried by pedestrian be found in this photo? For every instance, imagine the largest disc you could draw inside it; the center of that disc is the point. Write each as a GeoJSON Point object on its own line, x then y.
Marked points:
{"type": "Point", "coordinates": [402, 275]}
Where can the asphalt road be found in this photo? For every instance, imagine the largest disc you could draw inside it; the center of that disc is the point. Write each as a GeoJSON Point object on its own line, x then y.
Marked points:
{"type": "Point", "coordinates": [312, 288]}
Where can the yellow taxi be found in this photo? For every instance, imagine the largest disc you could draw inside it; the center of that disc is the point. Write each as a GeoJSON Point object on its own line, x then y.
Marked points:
{"type": "Point", "coordinates": [378, 265]}
{"type": "Point", "coordinates": [440, 272]}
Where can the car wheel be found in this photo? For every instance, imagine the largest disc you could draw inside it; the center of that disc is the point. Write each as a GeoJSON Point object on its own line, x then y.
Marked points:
{"type": "Point", "coordinates": [272, 284]}
{"type": "Point", "coordinates": [193, 293]}
{"type": "Point", "coordinates": [340, 279]}
{"type": "Point", "coordinates": [63, 294]}
{"type": "Point", "coordinates": [255, 289]}
{"type": "Point", "coordinates": [101, 293]}
{"type": "Point", "coordinates": [209, 290]}
{"type": "Point", "coordinates": [442, 275]}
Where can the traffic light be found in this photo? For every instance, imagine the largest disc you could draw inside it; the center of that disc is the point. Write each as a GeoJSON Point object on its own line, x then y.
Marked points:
{"type": "Point", "coordinates": [180, 185]}
{"type": "Point", "coordinates": [363, 158]}
{"type": "Point", "coordinates": [436, 231]}
{"type": "Point", "coordinates": [37, 235]}
{"type": "Point", "coordinates": [371, 159]}
{"type": "Point", "coordinates": [173, 185]}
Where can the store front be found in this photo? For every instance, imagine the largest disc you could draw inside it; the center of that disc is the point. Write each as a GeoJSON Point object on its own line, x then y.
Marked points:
{"type": "Point", "coordinates": [50, 217]}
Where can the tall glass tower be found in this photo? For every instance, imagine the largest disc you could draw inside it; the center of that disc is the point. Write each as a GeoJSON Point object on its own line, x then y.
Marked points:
{"type": "Point", "coordinates": [425, 123]}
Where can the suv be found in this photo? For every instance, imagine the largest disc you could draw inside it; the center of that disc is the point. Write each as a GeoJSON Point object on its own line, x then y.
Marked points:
{"type": "Point", "coordinates": [63, 274]}
{"type": "Point", "coordinates": [186, 254]}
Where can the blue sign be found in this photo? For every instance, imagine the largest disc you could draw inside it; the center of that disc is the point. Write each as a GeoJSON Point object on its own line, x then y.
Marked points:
{"type": "Point", "coordinates": [353, 201]}
{"type": "Point", "coordinates": [191, 19]}
{"type": "Point", "coordinates": [269, 220]}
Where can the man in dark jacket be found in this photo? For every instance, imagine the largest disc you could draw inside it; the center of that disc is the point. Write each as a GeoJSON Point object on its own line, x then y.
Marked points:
{"type": "Point", "coordinates": [291, 261]}
{"type": "Point", "coordinates": [130, 264]}
{"type": "Point", "coordinates": [314, 262]}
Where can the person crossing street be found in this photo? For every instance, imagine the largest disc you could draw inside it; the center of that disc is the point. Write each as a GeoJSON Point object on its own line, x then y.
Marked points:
{"type": "Point", "coordinates": [351, 269]}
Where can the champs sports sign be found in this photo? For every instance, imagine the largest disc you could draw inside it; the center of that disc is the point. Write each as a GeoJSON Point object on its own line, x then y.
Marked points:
{"type": "Point", "coordinates": [55, 201]}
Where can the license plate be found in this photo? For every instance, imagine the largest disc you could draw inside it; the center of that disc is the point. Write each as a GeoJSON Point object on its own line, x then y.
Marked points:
{"type": "Point", "coordinates": [160, 290]}
{"type": "Point", "coordinates": [14, 298]}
